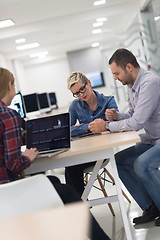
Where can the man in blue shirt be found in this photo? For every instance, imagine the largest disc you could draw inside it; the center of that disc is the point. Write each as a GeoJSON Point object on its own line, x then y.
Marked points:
{"type": "Point", "coordinates": [139, 165]}
{"type": "Point", "coordinates": [88, 107]}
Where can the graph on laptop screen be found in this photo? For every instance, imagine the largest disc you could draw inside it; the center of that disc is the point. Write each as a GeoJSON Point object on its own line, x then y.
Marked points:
{"type": "Point", "coordinates": [18, 105]}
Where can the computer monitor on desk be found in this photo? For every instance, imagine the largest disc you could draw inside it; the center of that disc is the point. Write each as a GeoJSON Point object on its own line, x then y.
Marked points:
{"type": "Point", "coordinates": [18, 105]}
{"type": "Point", "coordinates": [96, 78]}
{"type": "Point", "coordinates": [44, 103]}
{"type": "Point", "coordinates": [31, 104]}
{"type": "Point", "coordinates": [53, 100]}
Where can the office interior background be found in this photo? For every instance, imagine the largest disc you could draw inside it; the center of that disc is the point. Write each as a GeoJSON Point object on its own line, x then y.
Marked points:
{"type": "Point", "coordinates": [74, 38]}
{"type": "Point", "coordinates": [70, 36]}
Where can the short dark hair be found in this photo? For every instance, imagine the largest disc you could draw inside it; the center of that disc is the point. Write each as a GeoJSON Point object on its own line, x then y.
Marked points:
{"type": "Point", "coordinates": [122, 57]}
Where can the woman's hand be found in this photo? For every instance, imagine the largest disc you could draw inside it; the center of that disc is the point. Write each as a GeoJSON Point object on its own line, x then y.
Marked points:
{"type": "Point", "coordinates": [31, 153]}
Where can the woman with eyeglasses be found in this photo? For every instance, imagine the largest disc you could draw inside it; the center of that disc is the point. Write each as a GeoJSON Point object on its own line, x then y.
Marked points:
{"type": "Point", "coordinates": [88, 107]}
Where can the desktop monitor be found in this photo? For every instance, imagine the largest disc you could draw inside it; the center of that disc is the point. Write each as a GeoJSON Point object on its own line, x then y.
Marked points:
{"type": "Point", "coordinates": [31, 102]}
{"type": "Point", "coordinates": [44, 103]}
{"type": "Point", "coordinates": [53, 99]}
{"type": "Point", "coordinates": [97, 79]}
{"type": "Point", "coordinates": [18, 105]}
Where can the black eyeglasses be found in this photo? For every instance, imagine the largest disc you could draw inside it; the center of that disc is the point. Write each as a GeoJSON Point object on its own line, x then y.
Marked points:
{"type": "Point", "coordinates": [81, 90]}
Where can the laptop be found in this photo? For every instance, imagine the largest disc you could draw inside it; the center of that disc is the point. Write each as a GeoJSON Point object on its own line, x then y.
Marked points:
{"type": "Point", "coordinates": [50, 134]}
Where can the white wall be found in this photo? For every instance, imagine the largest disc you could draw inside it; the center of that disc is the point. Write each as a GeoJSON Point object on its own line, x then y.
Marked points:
{"type": "Point", "coordinates": [2, 61]}
{"type": "Point", "coordinates": [52, 77]}
{"type": "Point", "coordinates": [48, 77]}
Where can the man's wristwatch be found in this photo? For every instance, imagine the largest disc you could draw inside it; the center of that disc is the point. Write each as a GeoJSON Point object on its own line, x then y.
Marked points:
{"type": "Point", "coordinates": [107, 125]}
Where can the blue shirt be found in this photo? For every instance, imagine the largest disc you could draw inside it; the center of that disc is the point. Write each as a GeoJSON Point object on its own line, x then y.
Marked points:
{"type": "Point", "coordinates": [80, 111]}
{"type": "Point", "coordinates": [144, 108]}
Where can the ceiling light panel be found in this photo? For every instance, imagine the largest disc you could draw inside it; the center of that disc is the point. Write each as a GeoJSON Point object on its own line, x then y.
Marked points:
{"type": "Point", "coordinates": [100, 2]}
{"type": "Point", "coordinates": [20, 40]}
{"type": "Point", "coordinates": [98, 30]}
{"type": "Point", "coordinates": [97, 24]}
{"type": "Point", "coordinates": [102, 19]}
{"type": "Point", "coordinates": [27, 46]}
{"type": "Point", "coordinates": [96, 44]}
{"type": "Point", "coordinates": [6, 23]}
{"type": "Point", "coordinates": [157, 18]}
{"type": "Point", "coordinates": [39, 54]}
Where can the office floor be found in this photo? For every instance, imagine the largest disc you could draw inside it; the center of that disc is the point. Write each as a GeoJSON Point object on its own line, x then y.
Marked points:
{"type": "Point", "coordinates": [113, 225]}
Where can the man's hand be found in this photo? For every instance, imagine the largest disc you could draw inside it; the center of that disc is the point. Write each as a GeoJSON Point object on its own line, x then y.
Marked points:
{"type": "Point", "coordinates": [98, 125]}
{"type": "Point", "coordinates": [111, 114]}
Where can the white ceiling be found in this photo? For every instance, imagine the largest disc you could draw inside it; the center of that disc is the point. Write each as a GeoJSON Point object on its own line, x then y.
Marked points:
{"type": "Point", "coordinates": [62, 25]}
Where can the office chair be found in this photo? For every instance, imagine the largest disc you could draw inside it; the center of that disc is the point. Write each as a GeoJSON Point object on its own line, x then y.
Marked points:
{"type": "Point", "coordinates": [101, 184]}
{"type": "Point", "coordinates": [32, 209]}
{"type": "Point", "coordinates": [27, 195]}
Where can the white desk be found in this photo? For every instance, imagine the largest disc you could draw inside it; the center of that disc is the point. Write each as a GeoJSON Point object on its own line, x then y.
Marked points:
{"type": "Point", "coordinates": [91, 149]}
{"type": "Point", "coordinates": [70, 222]}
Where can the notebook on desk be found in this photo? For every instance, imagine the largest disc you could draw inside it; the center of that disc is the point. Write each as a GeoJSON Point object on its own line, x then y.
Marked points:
{"type": "Point", "coordinates": [50, 134]}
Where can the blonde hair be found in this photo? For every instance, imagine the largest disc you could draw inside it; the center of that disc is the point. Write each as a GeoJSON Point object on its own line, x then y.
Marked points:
{"type": "Point", "coordinates": [76, 77]}
{"type": "Point", "coordinates": [5, 77]}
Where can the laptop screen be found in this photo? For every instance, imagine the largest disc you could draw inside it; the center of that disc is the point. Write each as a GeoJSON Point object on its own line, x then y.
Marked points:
{"type": "Point", "coordinates": [48, 133]}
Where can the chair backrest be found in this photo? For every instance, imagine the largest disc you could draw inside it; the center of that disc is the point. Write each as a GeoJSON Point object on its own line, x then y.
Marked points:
{"type": "Point", "coordinates": [27, 195]}
{"type": "Point", "coordinates": [90, 169]}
